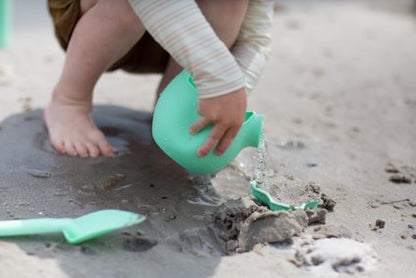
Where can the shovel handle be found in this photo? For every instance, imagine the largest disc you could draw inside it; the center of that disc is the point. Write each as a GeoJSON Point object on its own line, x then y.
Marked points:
{"type": "Point", "coordinates": [33, 226]}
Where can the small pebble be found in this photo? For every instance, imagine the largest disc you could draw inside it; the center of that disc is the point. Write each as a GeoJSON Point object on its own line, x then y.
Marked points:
{"type": "Point", "coordinates": [39, 173]}
{"type": "Point", "coordinates": [315, 188]}
{"type": "Point", "coordinates": [374, 205]}
{"type": "Point", "coordinates": [400, 179]}
{"type": "Point", "coordinates": [380, 223]}
{"type": "Point", "coordinates": [232, 245]}
{"type": "Point", "coordinates": [170, 217]}
{"type": "Point", "coordinates": [86, 250]}
{"type": "Point", "coordinates": [113, 180]}
{"type": "Point", "coordinates": [327, 203]}
{"type": "Point", "coordinates": [391, 169]}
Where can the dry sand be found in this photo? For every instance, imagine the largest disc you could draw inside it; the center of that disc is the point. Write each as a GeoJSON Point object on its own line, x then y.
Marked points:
{"type": "Point", "coordinates": [340, 106]}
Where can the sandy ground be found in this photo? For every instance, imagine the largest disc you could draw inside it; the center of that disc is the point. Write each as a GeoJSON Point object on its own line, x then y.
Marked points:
{"type": "Point", "coordinates": [340, 106]}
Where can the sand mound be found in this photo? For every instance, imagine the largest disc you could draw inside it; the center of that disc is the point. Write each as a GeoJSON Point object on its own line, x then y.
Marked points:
{"type": "Point", "coordinates": [241, 224]}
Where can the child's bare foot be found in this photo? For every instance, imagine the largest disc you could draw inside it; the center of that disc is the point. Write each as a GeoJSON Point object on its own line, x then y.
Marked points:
{"type": "Point", "coordinates": [72, 130]}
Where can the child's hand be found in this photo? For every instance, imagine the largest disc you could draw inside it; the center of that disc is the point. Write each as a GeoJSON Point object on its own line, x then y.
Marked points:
{"type": "Point", "coordinates": [227, 114]}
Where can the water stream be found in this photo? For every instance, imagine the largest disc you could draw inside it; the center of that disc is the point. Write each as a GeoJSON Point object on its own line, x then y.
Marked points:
{"type": "Point", "coordinates": [261, 163]}
{"type": "Point", "coordinates": [282, 186]}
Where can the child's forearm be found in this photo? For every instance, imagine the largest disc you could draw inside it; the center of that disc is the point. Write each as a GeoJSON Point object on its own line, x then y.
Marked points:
{"type": "Point", "coordinates": [182, 30]}
{"type": "Point", "coordinates": [252, 47]}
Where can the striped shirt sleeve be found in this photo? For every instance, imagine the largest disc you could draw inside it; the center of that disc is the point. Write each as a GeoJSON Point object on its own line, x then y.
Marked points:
{"type": "Point", "coordinates": [181, 29]}
{"type": "Point", "coordinates": [252, 47]}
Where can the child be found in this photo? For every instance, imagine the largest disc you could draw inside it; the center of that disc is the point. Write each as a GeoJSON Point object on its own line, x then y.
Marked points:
{"type": "Point", "coordinates": [222, 43]}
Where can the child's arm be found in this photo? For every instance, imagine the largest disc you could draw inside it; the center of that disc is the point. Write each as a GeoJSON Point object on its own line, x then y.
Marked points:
{"type": "Point", "coordinates": [252, 47]}
{"type": "Point", "coordinates": [180, 27]}
{"type": "Point", "coordinates": [251, 50]}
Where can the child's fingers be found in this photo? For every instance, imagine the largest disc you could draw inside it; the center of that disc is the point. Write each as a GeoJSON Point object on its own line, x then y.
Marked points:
{"type": "Point", "coordinates": [226, 140]}
{"type": "Point", "coordinates": [214, 137]}
{"type": "Point", "coordinates": [199, 124]}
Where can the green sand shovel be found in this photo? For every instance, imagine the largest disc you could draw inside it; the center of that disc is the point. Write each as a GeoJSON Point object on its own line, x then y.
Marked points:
{"type": "Point", "coordinates": [5, 22]}
{"type": "Point", "coordinates": [75, 230]}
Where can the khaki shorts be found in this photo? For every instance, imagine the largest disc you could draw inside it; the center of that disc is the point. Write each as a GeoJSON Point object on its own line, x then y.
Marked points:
{"type": "Point", "coordinates": [146, 56]}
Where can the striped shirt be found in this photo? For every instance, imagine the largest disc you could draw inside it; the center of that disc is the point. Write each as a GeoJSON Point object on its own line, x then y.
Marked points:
{"type": "Point", "coordinates": [181, 29]}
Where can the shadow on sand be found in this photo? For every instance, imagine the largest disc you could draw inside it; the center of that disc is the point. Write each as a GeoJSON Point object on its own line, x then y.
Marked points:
{"type": "Point", "coordinates": [38, 182]}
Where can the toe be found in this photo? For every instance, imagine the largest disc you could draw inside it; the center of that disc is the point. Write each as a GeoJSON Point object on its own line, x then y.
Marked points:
{"type": "Point", "coordinates": [70, 149]}
{"type": "Point", "coordinates": [81, 149]}
{"type": "Point", "coordinates": [58, 145]}
{"type": "Point", "coordinates": [92, 149]}
{"type": "Point", "coordinates": [105, 148]}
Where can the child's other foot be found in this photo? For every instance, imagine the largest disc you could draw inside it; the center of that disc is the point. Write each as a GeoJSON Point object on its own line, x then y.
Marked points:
{"type": "Point", "coordinates": [73, 132]}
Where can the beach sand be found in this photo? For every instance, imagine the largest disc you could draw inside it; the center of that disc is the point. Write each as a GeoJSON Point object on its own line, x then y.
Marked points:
{"type": "Point", "coordinates": [339, 101]}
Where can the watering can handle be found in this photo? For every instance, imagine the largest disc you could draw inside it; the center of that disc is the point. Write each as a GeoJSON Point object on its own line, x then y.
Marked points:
{"type": "Point", "coordinates": [33, 226]}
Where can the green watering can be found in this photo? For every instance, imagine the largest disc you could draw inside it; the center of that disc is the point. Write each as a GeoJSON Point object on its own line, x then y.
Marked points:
{"type": "Point", "coordinates": [5, 21]}
{"type": "Point", "coordinates": [75, 230]}
{"type": "Point", "coordinates": [175, 112]}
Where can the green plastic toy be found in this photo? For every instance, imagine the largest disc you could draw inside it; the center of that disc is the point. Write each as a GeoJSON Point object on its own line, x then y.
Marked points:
{"type": "Point", "coordinates": [5, 21]}
{"type": "Point", "coordinates": [176, 111]}
{"type": "Point", "coordinates": [75, 230]}
{"type": "Point", "coordinates": [265, 198]}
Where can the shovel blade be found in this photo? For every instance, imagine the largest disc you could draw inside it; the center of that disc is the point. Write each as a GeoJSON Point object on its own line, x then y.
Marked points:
{"type": "Point", "coordinates": [99, 223]}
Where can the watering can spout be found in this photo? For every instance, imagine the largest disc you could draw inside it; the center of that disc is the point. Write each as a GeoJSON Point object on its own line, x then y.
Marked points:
{"type": "Point", "coordinates": [254, 130]}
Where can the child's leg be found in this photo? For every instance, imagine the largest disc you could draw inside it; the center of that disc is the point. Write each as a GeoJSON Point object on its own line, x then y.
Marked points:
{"type": "Point", "coordinates": [225, 17]}
{"type": "Point", "coordinates": [105, 32]}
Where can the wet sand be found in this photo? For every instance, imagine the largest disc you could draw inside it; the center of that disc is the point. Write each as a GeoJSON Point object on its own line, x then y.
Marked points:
{"type": "Point", "coordinates": [340, 109]}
